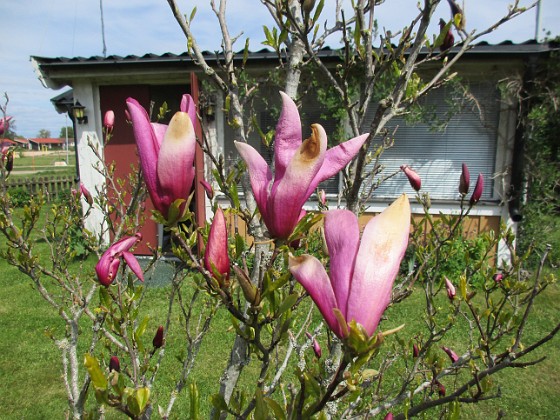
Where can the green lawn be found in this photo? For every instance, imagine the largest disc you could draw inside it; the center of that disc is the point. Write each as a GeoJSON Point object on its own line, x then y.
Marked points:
{"type": "Point", "coordinates": [27, 165]}
{"type": "Point", "coordinates": [30, 367]}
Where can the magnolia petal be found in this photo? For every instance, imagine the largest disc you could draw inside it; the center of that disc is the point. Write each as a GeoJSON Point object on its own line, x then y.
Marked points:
{"type": "Point", "coordinates": [124, 244]}
{"type": "Point", "coordinates": [106, 268]}
{"type": "Point", "coordinates": [259, 173]}
{"type": "Point", "coordinates": [188, 106]}
{"type": "Point", "coordinates": [175, 168]}
{"type": "Point", "coordinates": [133, 264]}
{"type": "Point", "coordinates": [311, 274]}
{"type": "Point", "coordinates": [148, 146]}
{"type": "Point", "coordinates": [342, 235]}
{"type": "Point", "coordinates": [159, 131]}
{"type": "Point", "coordinates": [287, 138]}
{"type": "Point", "coordinates": [289, 193]}
{"type": "Point", "coordinates": [384, 243]}
{"type": "Point", "coordinates": [338, 157]}
{"type": "Point", "coordinates": [216, 253]}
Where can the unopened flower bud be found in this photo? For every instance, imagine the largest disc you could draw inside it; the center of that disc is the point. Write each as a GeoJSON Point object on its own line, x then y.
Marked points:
{"type": "Point", "coordinates": [158, 338]}
{"type": "Point", "coordinates": [413, 177]}
{"type": "Point", "coordinates": [87, 195]}
{"type": "Point", "coordinates": [452, 355]}
{"type": "Point", "coordinates": [465, 180]}
{"type": "Point", "coordinates": [322, 197]}
{"type": "Point", "coordinates": [415, 350]}
{"type": "Point", "coordinates": [477, 193]}
{"type": "Point", "coordinates": [450, 289]}
{"type": "Point", "coordinates": [389, 416]}
{"type": "Point", "coordinates": [498, 277]}
{"type": "Point", "coordinates": [441, 389]}
{"type": "Point", "coordinates": [207, 188]}
{"type": "Point", "coordinates": [114, 364]}
{"type": "Point", "coordinates": [109, 120]}
{"type": "Point", "coordinates": [316, 346]}
{"type": "Point", "coordinates": [10, 161]}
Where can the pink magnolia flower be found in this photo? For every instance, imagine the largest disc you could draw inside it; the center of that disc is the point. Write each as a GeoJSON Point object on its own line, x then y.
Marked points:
{"type": "Point", "coordinates": [299, 167]}
{"type": "Point", "coordinates": [450, 289]}
{"type": "Point", "coordinates": [109, 120]}
{"type": "Point", "coordinates": [413, 177]}
{"type": "Point", "coordinates": [108, 265]}
{"type": "Point", "coordinates": [216, 256]}
{"type": "Point", "coordinates": [4, 125]}
{"type": "Point", "coordinates": [361, 274]}
{"type": "Point", "coordinates": [166, 152]}
{"type": "Point", "coordinates": [465, 180]}
{"type": "Point", "coordinates": [478, 189]}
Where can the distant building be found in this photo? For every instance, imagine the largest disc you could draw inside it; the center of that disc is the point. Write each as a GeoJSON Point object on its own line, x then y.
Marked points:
{"type": "Point", "coordinates": [47, 144]}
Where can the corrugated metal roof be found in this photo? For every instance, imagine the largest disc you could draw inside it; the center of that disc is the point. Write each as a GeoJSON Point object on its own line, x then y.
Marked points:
{"type": "Point", "coordinates": [505, 47]}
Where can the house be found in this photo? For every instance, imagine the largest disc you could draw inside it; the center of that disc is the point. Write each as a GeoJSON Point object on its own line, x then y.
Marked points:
{"type": "Point", "coordinates": [46, 144]}
{"type": "Point", "coordinates": [478, 129]}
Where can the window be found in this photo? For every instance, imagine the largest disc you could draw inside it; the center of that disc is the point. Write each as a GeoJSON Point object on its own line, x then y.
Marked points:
{"type": "Point", "coordinates": [470, 136]}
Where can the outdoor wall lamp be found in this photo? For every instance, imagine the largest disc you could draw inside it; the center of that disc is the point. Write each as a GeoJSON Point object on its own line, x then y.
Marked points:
{"type": "Point", "coordinates": [79, 114]}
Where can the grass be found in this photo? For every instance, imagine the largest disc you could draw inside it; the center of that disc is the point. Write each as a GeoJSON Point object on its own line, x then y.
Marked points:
{"type": "Point", "coordinates": [30, 368]}
{"type": "Point", "coordinates": [28, 165]}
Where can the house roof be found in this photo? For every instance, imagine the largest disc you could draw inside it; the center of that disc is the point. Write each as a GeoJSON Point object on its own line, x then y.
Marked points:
{"type": "Point", "coordinates": [56, 72]}
{"type": "Point", "coordinates": [47, 141]}
{"type": "Point", "coordinates": [14, 141]}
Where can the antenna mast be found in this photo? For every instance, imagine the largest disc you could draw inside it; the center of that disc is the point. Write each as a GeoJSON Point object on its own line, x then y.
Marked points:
{"type": "Point", "coordinates": [103, 29]}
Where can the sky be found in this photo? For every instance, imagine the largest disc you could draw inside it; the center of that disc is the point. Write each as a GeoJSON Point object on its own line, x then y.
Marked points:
{"type": "Point", "coordinates": [72, 28]}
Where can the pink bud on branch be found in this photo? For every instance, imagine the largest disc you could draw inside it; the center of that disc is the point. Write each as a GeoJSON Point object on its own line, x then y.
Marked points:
{"type": "Point", "coordinates": [452, 355]}
{"type": "Point", "coordinates": [450, 289]}
{"type": "Point", "coordinates": [114, 364]}
{"type": "Point", "coordinates": [413, 177]}
{"type": "Point", "coordinates": [216, 258]}
{"type": "Point", "coordinates": [316, 346]}
{"type": "Point", "coordinates": [478, 189]}
{"type": "Point", "coordinates": [465, 180]}
{"type": "Point", "coordinates": [158, 340]}
{"type": "Point", "coordinates": [109, 120]}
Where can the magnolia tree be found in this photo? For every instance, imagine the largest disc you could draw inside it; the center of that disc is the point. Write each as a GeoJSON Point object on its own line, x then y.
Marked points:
{"type": "Point", "coordinates": [348, 351]}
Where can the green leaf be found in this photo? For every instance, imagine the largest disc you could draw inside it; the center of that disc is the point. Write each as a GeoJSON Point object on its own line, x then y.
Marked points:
{"type": "Point", "coordinates": [193, 14]}
{"type": "Point", "coordinates": [194, 397]}
{"type": "Point", "coordinates": [318, 10]}
{"type": "Point", "coordinates": [261, 409]}
{"type": "Point", "coordinates": [142, 398]}
{"type": "Point", "coordinates": [279, 412]}
{"type": "Point", "coordinates": [95, 373]}
{"type": "Point", "coordinates": [288, 303]}
{"type": "Point", "coordinates": [142, 327]}
{"type": "Point", "coordinates": [219, 402]}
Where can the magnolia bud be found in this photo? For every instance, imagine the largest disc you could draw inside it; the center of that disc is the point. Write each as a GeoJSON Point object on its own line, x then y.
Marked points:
{"type": "Point", "coordinates": [415, 350]}
{"type": "Point", "coordinates": [498, 277]}
{"type": "Point", "coordinates": [465, 180]}
{"type": "Point", "coordinates": [452, 355]}
{"type": "Point", "coordinates": [441, 389]}
{"type": "Point", "coordinates": [316, 346]}
{"type": "Point", "coordinates": [109, 120]}
{"type": "Point", "coordinates": [413, 177]}
{"type": "Point", "coordinates": [207, 188]}
{"type": "Point", "coordinates": [158, 338]}
{"type": "Point", "coordinates": [87, 195]}
{"type": "Point", "coordinates": [114, 364]}
{"type": "Point", "coordinates": [450, 289]}
{"type": "Point", "coordinates": [477, 193]}
{"type": "Point", "coordinates": [10, 161]}
{"type": "Point", "coordinates": [389, 416]}
{"type": "Point", "coordinates": [322, 197]}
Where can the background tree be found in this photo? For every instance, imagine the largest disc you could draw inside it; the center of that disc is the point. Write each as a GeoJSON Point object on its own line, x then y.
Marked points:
{"type": "Point", "coordinates": [62, 133]}
{"type": "Point", "coordinates": [44, 134]}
